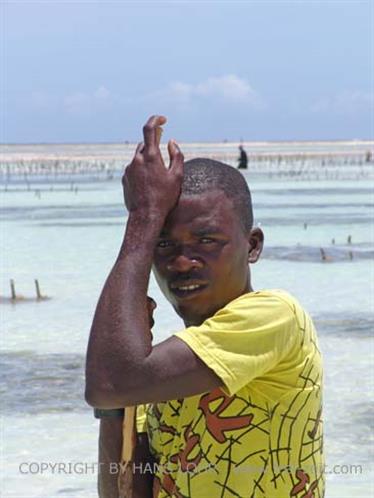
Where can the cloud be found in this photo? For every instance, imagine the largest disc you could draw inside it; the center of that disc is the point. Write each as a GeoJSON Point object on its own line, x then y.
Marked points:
{"type": "Point", "coordinates": [228, 88]}
{"type": "Point", "coordinates": [77, 103]}
{"type": "Point", "coordinates": [354, 101]}
{"type": "Point", "coordinates": [81, 103]}
{"type": "Point", "coordinates": [102, 93]}
{"type": "Point", "coordinates": [346, 102]}
{"type": "Point", "coordinates": [177, 91]}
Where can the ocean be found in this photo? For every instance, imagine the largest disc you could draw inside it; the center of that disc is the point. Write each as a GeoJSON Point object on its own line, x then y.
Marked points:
{"type": "Point", "coordinates": [62, 222]}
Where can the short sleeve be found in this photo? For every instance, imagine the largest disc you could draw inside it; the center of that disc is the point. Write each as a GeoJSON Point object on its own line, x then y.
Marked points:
{"type": "Point", "coordinates": [141, 418]}
{"type": "Point", "coordinates": [245, 339]}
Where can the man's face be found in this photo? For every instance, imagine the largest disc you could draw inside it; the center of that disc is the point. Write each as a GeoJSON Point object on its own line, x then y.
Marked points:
{"type": "Point", "coordinates": [201, 259]}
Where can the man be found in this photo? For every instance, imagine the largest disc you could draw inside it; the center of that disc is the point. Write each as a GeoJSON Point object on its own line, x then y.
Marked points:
{"type": "Point", "coordinates": [243, 158]}
{"type": "Point", "coordinates": [234, 399]}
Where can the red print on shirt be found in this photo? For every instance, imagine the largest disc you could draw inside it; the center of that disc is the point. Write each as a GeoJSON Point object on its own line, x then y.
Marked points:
{"type": "Point", "coordinates": [303, 479]}
{"type": "Point", "coordinates": [188, 464]}
{"type": "Point", "coordinates": [217, 424]}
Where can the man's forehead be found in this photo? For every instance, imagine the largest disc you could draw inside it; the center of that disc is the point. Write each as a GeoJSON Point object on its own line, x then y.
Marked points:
{"type": "Point", "coordinates": [204, 200]}
{"type": "Point", "coordinates": [208, 211]}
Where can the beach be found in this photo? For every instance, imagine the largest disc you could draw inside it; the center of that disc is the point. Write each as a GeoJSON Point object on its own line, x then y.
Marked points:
{"type": "Point", "coordinates": [63, 219]}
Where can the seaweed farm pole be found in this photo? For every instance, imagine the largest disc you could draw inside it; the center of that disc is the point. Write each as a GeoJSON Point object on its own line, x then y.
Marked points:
{"type": "Point", "coordinates": [12, 290]}
{"type": "Point", "coordinates": [37, 288]}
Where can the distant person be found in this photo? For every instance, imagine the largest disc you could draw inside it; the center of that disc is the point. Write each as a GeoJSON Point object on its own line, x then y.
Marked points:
{"type": "Point", "coordinates": [324, 256]}
{"type": "Point", "coordinates": [243, 158]}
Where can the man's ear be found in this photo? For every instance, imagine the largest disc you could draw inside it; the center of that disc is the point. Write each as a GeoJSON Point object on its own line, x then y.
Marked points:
{"type": "Point", "coordinates": [256, 243]}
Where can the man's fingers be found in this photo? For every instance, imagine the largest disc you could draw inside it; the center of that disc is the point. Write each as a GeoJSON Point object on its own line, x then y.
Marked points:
{"type": "Point", "coordinates": [139, 151]}
{"type": "Point", "coordinates": [149, 131]}
{"type": "Point", "coordinates": [139, 147]}
{"type": "Point", "coordinates": [138, 157]}
{"type": "Point", "coordinates": [151, 304]}
{"type": "Point", "coordinates": [176, 158]}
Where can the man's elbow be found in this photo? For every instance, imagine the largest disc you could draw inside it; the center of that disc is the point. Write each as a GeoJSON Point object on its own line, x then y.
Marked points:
{"type": "Point", "coordinates": [106, 392]}
{"type": "Point", "coordinates": [99, 391]}
{"type": "Point", "coordinates": [93, 397]}
{"type": "Point", "coordinates": [105, 399]}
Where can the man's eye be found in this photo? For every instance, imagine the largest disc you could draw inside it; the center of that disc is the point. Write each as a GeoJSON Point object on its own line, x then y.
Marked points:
{"type": "Point", "coordinates": [206, 240]}
{"type": "Point", "coordinates": [164, 243]}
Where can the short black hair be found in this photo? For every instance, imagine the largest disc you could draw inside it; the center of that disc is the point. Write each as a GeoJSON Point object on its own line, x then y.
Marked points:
{"type": "Point", "coordinates": [203, 175]}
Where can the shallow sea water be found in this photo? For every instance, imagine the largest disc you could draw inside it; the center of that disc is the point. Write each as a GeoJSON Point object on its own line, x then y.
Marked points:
{"type": "Point", "coordinates": [68, 241]}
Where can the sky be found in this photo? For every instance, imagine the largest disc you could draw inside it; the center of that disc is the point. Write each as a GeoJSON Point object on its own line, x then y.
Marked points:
{"type": "Point", "coordinates": [93, 71]}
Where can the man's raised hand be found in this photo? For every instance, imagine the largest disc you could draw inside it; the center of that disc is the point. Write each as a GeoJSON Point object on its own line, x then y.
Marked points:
{"type": "Point", "coordinates": [149, 187]}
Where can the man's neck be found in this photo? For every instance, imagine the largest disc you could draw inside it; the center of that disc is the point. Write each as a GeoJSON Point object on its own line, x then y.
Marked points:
{"type": "Point", "coordinates": [197, 321]}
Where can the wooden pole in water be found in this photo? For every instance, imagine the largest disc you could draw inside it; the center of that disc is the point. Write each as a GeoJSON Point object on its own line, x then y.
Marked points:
{"type": "Point", "coordinates": [37, 288]}
{"type": "Point", "coordinates": [12, 290]}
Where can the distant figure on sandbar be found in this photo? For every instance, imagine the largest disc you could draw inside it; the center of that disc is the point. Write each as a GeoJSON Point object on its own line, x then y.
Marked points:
{"type": "Point", "coordinates": [349, 239]}
{"type": "Point", "coordinates": [243, 158]}
{"type": "Point", "coordinates": [368, 156]}
{"type": "Point", "coordinates": [324, 256]}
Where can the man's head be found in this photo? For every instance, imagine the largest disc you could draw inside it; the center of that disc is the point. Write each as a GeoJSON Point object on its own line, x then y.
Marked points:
{"type": "Point", "coordinates": [205, 175]}
{"type": "Point", "coordinates": [201, 260]}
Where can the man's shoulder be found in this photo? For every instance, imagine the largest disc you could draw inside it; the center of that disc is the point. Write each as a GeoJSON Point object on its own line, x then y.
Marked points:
{"type": "Point", "coordinates": [264, 298]}
{"type": "Point", "coordinates": [253, 311]}
{"type": "Point", "coordinates": [262, 309]}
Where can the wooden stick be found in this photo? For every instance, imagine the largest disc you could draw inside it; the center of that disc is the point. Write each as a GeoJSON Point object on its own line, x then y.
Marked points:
{"type": "Point", "coordinates": [38, 293]}
{"type": "Point", "coordinates": [126, 476]}
{"type": "Point", "coordinates": [128, 432]}
{"type": "Point", "coordinates": [13, 290]}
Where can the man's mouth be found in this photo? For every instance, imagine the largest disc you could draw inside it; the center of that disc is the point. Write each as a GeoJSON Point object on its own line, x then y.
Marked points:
{"type": "Point", "coordinates": [186, 289]}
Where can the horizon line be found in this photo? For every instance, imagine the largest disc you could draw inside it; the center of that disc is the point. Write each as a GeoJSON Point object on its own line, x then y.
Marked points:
{"type": "Point", "coordinates": [128, 142]}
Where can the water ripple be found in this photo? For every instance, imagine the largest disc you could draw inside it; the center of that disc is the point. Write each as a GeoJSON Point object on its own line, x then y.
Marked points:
{"type": "Point", "coordinates": [41, 383]}
{"type": "Point", "coordinates": [332, 253]}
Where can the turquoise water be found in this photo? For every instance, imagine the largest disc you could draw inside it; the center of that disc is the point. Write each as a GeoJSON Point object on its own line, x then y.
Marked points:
{"type": "Point", "coordinates": [68, 240]}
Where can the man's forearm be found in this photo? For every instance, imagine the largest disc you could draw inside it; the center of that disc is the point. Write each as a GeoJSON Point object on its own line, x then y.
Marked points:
{"type": "Point", "coordinates": [120, 336]}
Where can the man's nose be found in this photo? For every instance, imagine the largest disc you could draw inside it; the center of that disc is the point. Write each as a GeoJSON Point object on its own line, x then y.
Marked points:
{"type": "Point", "coordinates": [183, 262]}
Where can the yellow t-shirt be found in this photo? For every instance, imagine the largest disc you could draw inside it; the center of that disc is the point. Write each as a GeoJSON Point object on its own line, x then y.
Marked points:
{"type": "Point", "coordinates": [260, 436]}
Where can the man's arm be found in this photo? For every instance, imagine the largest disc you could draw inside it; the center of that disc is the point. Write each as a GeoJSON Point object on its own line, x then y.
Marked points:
{"type": "Point", "coordinates": [123, 368]}
{"type": "Point", "coordinates": [110, 445]}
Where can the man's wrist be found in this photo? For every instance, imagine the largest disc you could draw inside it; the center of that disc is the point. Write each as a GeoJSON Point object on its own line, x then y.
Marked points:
{"type": "Point", "coordinates": [147, 217]}
{"type": "Point", "coordinates": [143, 229]}
{"type": "Point", "coordinates": [115, 412]}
